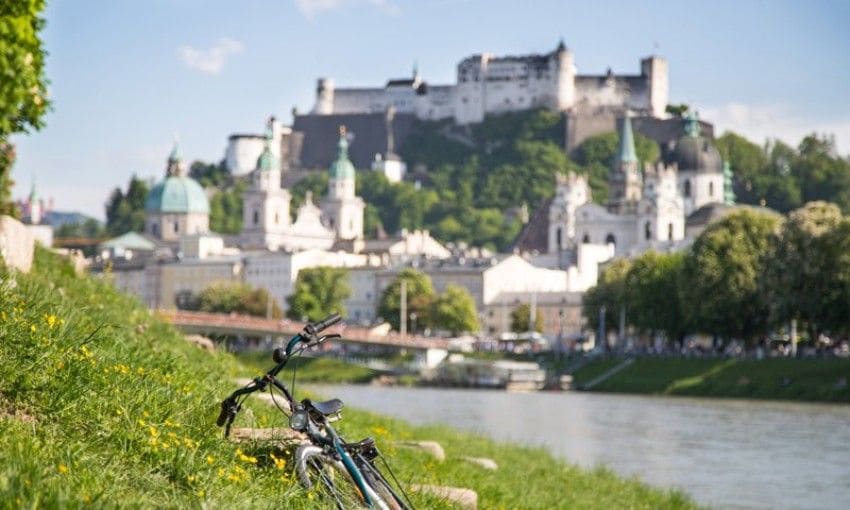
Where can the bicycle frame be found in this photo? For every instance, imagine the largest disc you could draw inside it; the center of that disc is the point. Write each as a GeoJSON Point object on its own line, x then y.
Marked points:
{"type": "Point", "coordinates": [331, 440]}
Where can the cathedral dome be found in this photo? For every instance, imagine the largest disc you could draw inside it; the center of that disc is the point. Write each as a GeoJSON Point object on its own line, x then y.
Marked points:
{"type": "Point", "coordinates": [266, 161]}
{"type": "Point", "coordinates": [177, 194]}
{"type": "Point", "coordinates": [342, 168]}
{"type": "Point", "coordinates": [696, 153]}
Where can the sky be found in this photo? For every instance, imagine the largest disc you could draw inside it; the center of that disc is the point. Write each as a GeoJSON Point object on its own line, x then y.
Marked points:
{"type": "Point", "coordinates": [128, 76]}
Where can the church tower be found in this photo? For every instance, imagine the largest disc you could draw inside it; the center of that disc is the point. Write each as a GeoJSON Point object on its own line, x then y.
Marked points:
{"type": "Point", "coordinates": [342, 209]}
{"type": "Point", "coordinates": [624, 187]}
{"type": "Point", "coordinates": [571, 192]}
{"type": "Point", "coordinates": [265, 210]}
{"type": "Point", "coordinates": [661, 214]}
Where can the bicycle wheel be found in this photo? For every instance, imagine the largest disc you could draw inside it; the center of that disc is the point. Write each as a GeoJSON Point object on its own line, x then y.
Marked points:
{"type": "Point", "coordinates": [326, 476]}
{"type": "Point", "coordinates": [380, 485]}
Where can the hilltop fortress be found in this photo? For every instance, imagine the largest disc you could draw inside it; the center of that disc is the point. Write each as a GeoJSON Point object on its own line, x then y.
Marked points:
{"type": "Point", "coordinates": [488, 84]}
{"type": "Point", "coordinates": [382, 118]}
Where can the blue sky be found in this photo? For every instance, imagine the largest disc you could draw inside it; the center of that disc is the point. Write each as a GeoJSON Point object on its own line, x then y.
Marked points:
{"type": "Point", "coordinates": [126, 75]}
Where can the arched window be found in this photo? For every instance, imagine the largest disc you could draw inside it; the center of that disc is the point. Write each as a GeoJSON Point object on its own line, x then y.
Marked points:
{"type": "Point", "coordinates": [176, 227]}
{"type": "Point", "coordinates": [670, 231]}
{"type": "Point", "coordinates": [256, 216]}
{"type": "Point", "coordinates": [558, 237]}
{"type": "Point", "coordinates": [647, 231]}
{"type": "Point", "coordinates": [610, 239]}
{"type": "Point", "coordinates": [276, 218]}
{"type": "Point", "coordinates": [711, 189]}
{"type": "Point", "coordinates": [155, 228]}
{"type": "Point", "coordinates": [585, 239]}
{"type": "Point", "coordinates": [687, 188]}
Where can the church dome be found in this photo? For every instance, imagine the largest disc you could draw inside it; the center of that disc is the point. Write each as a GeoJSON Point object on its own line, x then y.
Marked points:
{"type": "Point", "coordinates": [266, 161]}
{"type": "Point", "coordinates": [177, 194]}
{"type": "Point", "coordinates": [342, 168]}
{"type": "Point", "coordinates": [696, 153]}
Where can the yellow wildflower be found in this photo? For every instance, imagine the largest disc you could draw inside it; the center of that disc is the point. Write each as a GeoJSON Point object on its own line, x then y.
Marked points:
{"type": "Point", "coordinates": [245, 458]}
{"type": "Point", "coordinates": [50, 320]}
{"type": "Point", "coordinates": [33, 328]}
{"type": "Point", "coordinates": [210, 459]}
{"type": "Point", "coordinates": [63, 469]}
{"type": "Point", "coordinates": [153, 432]}
{"type": "Point", "coordinates": [278, 462]}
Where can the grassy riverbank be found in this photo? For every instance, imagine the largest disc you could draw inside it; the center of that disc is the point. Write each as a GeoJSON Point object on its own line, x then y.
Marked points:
{"type": "Point", "coordinates": [817, 380]}
{"type": "Point", "coordinates": [103, 405]}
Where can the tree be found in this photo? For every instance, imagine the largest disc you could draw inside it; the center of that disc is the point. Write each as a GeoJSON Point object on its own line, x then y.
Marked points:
{"type": "Point", "coordinates": [822, 174]}
{"type": "Point", "coordinates": [721, 288]}
{"type": "Point", "coordinates": [209, 174]}
{"type": "Point", "coordinates": [677, 110]}
{"type": "Point", "coordinates": [802, 264]}
{"type": "Point", "coordinates": [420, 296]}
{"type": "Point", "coordinates": [226, 210]}
{"type": "Point", "coordinates": [241, 298]}
{"type": "Point", "coordinates": [520, 318]}
{"type": "Point", "coordinates": [23, 89]}
{"type": "Point", "coordinates": [319, 292]}
{"type": "Point", "coordinates": [125, 212]}
{"type": "Point", "coordinates": [455, 311]}
{"type": "Point", "coordinates": [653, 303]}
{"type": "Point", "coordinates": [609, 292]}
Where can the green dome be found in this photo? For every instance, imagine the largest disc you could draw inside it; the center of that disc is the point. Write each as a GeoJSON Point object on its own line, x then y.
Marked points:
{"type": "Point", "coordinates": [266, 161]}
{"type": "Point", "coordinates": [177, 195]}
{"type": "Point", "coordinates": [342, 168]}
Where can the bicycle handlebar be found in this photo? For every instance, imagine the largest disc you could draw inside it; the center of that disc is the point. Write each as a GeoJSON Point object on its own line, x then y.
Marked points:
{"type": "Point", "coordinates": [318, 327]}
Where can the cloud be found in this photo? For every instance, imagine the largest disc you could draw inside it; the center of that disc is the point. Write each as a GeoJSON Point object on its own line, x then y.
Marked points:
{"type": "Point", "coordinates": [760, 122]}
{"type": "Point", "coordinates": [212, 60]}
{"type": "Point", "coordinates": [311, 8]}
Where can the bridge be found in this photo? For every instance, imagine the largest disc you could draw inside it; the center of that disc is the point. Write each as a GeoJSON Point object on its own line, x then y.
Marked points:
{"type": "Point", "coordinates": [246, 325]}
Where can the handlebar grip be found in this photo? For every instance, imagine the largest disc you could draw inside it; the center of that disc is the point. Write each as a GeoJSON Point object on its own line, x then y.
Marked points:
{"type": "Point", "coordinates": [323, 324]}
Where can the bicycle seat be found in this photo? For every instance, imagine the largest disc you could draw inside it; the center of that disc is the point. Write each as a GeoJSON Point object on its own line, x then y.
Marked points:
{"type": "Point", "coordinates": [325, 408]}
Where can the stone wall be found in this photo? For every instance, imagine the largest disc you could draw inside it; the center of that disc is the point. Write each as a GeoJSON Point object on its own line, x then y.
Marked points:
{"type": "Point", "coordinates": [16, 244]}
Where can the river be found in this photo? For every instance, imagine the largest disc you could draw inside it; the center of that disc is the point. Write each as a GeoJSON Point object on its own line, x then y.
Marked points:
{"type": "Point", "coordinates": [739, 454]}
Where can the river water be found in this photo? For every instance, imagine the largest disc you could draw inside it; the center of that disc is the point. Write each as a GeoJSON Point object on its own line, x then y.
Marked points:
{"type": "Point", "coordinates": [724, 453]}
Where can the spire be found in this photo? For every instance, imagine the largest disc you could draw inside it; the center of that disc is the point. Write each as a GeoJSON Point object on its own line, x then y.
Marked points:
{"type": "Point", "coordinates": [692, 127]}
{"type": "Point", "coordinates": [627, 153]}
{"type": "Point", "coordinates": [561, 45]}
{"type": "Point", "coordinates": [266, 161]}
{"type": "Point", "coordinates": [342, 168]}
{"type": "Point", "coordinates": [728, 193]}
{"type": "Point", "coordinates": [33, 195]}
{"type": "Point", "coordinates": [416, 78]}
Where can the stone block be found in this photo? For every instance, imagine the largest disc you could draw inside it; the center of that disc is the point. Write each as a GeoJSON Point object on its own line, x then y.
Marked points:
{"type": "Point", "coordinates": [16, 244]}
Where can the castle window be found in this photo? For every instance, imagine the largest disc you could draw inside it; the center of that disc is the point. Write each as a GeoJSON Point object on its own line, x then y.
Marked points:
{"type": "Point", "coordinates": [610, 239]}
{"type": "Point", "coordinates": [256, 216]}
{"type": "Point", "coordinates": [647, 231]}
{"type": "Point", "coordinates": [558, 237]}
{"type": "Point", "coordinates": [585, 239]}
{"type": "Point", "coordinates": [711, 189]}
{"type": "Point", "coordinates": [687, 188]}
{"type": "Point", "coordinates": [670, 231]}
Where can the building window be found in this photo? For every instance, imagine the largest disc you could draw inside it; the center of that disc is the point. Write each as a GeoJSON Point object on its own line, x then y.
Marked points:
{"type": "Point", "coordinates": [711, 189]}
{"type": "Point", "coordinates": [647, 231]}
{"type": "Point", "coordinates": [176, 227]}
{"type": "Point", "coordinates": [558, 237]}
{"type": "Point", "coordinates": [670, 231]}
{"type": "Point", "coordinates": [585, 239]}
{"type": "Point", "coordinates": [256, 216]}
{"type": "Point", "coordinates": [687, 188]}
{"type": "Point", "coordinates": [276, 218]}
{"type": "Point", "coordinates": [610, 239]}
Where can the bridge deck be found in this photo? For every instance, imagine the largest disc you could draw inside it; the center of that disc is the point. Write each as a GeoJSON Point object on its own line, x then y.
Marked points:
{"type": "Point", "coordinates": [234, 324]}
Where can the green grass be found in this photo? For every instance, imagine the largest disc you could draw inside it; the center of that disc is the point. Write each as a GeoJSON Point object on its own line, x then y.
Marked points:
{"type": "Point", "coordinates": [821, 380]}
{"type": "Point", "coordinates": [323, 370]}
{"type": "Point", "coordinates": [102, 405]}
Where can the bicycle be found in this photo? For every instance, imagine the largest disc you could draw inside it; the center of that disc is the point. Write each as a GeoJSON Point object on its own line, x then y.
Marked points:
{"type": "Point", "coordinates": [342, 471]}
